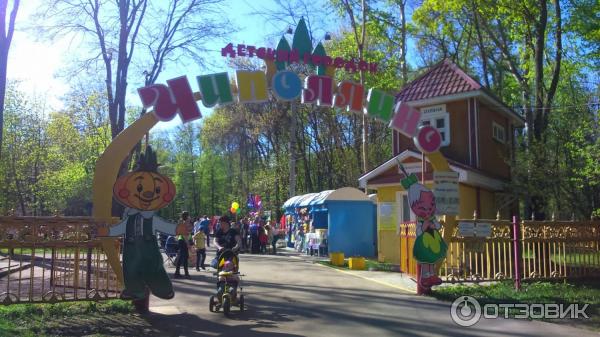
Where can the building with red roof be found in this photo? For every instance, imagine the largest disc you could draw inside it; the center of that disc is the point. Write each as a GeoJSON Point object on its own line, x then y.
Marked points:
{"type": "Point", "coordinates": [477, 140]}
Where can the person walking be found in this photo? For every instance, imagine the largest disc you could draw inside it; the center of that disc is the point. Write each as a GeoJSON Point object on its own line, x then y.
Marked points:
{"type": "Point", "coordinates": [254, 243]}
{"type": "Point", "coordinates": [196, 222]}
{"type": "Point", "coordinates": [200, 243]}
{"type": "Point", "coordinates": [269, 231]}
{"type": "Point", "coordinates": [263, 238]}
{"type": "Point", "coordinates": [182, 247]}
{"type": "Point", "coordinates": [203, 225]}
{"type": "Point", "coordinates": [244, 234]}
{"type": "Point", "coordinates": [274, 238]}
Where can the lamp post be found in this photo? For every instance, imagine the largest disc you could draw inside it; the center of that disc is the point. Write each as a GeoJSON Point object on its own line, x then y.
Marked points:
{"type": "Point", "coordinates": [194, 195]}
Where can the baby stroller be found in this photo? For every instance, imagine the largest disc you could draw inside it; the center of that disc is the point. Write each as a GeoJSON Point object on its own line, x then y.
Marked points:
{"type": "Point", "coordinates": [229, 284]}
{"type": "Point", "coordinates": [171, 250]}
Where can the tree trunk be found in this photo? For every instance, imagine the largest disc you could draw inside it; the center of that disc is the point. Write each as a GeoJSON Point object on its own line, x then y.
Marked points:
{"type": "Point", "coordinates": [484, 62]}
{"type": "Point", "coordinates": [539, 48]}
{"type": "Point", "coordinates": [365, 121]}
{"type": "Point", "coordinates": [5, 41]}
{"type": "Point", "coordinates": [212, 188]}
{"type": "Point", "coordinates": [306, 162]}
{"type": "Point", "coordinates": [292, 164]}
{"type": "Point", "coordinates": [403, 66]}
{"type": "Point", "coordinates": [3, 65]}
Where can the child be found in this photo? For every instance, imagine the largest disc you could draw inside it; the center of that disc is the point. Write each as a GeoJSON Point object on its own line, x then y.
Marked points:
{"type": "Point", "coordinates": [200, 243]}
{"type": "Point", "coordinates": [227, 276]}
{"type": "Point", "coordinates": [263, 238]}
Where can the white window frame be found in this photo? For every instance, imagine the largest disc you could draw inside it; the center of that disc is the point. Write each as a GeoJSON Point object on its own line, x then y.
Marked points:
{"type": "Point", "coordinates": [431, 114]}
{"type": "Point", "coordinates": [400, 207]}
{"type": "Point", "coordinates": [495, 128]}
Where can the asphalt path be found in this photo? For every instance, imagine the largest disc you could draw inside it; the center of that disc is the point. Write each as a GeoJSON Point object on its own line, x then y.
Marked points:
{"type": "Point", "coordinates": [289, 296]}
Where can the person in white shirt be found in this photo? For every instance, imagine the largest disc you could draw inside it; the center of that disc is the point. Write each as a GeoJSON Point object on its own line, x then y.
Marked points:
{"type": "Point", "coordinates": [275, 237]}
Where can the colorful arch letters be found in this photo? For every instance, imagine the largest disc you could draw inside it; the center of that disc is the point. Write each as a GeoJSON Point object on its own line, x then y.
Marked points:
{"type": "Point", "coordinates": [177, 97]}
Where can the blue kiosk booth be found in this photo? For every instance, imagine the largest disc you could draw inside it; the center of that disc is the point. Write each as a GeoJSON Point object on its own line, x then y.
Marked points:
{"type": "Point", "coordinates": [346, 216]}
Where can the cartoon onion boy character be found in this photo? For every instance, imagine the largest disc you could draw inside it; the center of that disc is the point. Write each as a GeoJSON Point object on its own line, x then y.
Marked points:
{"type": "Point", "coordinates": [429, 246]}
{"type": "Point", "coordinates": [144, 191]}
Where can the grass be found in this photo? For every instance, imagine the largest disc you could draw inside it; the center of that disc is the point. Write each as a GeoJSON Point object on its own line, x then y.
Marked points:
{"type": "Point", "coordinates": [536, 292]}
{"type": "Point", "coordinates": [571, 259]}
{"type": "Point", "coordinates": [369, 265]}
{"type": "Point", "coordinates": [68, 318]}
{"type": "Point", "coordinates": [40, 251]}
{"type": "Point", "coordinates": [589, 259]}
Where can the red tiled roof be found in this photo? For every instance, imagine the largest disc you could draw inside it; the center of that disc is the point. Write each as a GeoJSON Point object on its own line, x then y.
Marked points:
{"type": "Point", "coordinates": [444, 78]}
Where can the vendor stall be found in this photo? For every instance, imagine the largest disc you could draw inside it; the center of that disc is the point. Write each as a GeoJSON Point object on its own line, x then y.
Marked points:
{"type": "Point", "coordinates": [342, 220]}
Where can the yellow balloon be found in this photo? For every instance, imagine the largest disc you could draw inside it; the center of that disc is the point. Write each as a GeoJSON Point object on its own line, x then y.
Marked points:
{"type": "Point", "coordinates": [235, 205]}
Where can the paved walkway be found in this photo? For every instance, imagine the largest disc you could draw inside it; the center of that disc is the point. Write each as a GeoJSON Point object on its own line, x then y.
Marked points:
{"type": "Point", "coordinates": [289, 296]}
{"type": "Point", "coordinates": [399, 281]}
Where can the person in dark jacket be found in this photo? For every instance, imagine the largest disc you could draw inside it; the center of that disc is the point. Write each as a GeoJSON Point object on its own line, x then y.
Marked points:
{"type": "Point", "coordinates": [182, 248]}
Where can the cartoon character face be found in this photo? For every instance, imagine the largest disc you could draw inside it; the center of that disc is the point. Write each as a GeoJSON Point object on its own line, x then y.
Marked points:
{"type": "Point", "coordinates": [425, 206]}
{"type": "Point", "coordinates": [144, 190]}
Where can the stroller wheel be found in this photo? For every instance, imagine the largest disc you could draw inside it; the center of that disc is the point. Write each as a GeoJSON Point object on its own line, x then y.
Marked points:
{"type": "Point", "coordinates": [226, 305]}
{"type": "Point", "coordinates": [211, 304]}
{"type": "Point", "coordinates": [241, 302]}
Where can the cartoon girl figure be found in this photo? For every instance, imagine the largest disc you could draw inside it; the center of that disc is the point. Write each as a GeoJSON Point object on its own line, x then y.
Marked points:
{"type": "Point", "coordinates": [429, 246]}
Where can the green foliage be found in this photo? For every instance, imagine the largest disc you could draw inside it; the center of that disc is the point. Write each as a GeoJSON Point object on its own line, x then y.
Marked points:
{"type": "Point", "coordinates": [536, 292]}
{"type": "Point", "coordinates": [239, 149]}
{"type": "Point", "coordinates": [584, 21]}
{"type": "Point", "coordinates": [31, 319]}
{"type": "Point", "coordinates": [50, 160]}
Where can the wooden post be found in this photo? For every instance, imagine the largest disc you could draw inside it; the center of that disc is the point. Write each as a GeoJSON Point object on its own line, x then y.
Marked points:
{"type": "Point", "coordinates": [406, 245]}
{"type": "Point", "coordinates": [88, 276]}
{"type": "Point", "coordinates": [517, 251]}
{"type": "Point", "coordinates": [52, 266]}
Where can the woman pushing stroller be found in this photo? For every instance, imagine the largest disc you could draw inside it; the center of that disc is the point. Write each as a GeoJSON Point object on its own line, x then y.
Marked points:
{"type": "Point", "coordinates": [226, 238]}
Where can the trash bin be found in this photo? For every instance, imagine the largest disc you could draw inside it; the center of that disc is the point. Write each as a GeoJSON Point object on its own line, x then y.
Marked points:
{"type": "Point", "coordinates": [356, 263]}
{"type": "Point", "coordinates": [337, 259]}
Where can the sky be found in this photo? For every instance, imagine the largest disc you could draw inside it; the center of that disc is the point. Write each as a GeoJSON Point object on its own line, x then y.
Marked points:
{"type": "Point", "coordinates": [37, 63]}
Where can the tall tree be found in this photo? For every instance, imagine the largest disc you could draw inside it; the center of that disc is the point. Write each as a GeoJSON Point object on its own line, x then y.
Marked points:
{"type": "Point", "coordinates": [114, 26]}
{"type": "Point", "coordinates": [359, 29]}
{"type": "Point", "coordinates": [6, 34]}
{"type": "Point", "coordinates": [522, 39]}
{"type": "Point", "coordinates": [180, 30]}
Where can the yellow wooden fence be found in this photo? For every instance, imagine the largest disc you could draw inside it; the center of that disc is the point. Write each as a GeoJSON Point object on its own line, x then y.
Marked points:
{"type": "Point", "coordinates": [480, 258]}
{"type": "Point", "coordinates": [51, 259]}
{"type": "Point", "coordinates": [545, 250]}
{"type": "Point", "coordinates": [560, 249]}
{"type": "Point", "coordinates": [407, 233]}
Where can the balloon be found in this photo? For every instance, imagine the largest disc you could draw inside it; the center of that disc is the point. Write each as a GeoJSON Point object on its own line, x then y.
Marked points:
{"type": "Point", "coordinates": [232, 210]}
{"type": "Point", "coordinates": [235, 205]}
{"type": "Point", "coordinates": [257, 201]}
{"type": "Point", "coordinates": [237, 211]}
